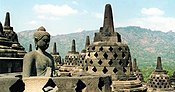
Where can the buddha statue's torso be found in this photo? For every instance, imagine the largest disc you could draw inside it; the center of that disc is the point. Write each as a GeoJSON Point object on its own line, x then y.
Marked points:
{"type": "Point", "coordinates": [41, 63]}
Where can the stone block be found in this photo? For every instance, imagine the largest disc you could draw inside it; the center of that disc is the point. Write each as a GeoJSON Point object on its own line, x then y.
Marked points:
{"type": "Point", "coordinates": [11, 84]}
{"type": "Point", "coordinates": [35, 84]}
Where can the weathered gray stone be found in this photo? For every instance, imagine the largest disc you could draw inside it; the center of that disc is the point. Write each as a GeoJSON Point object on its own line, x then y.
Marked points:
{"type": "Point", "coordinates": [35, 84]}
{"type": "Point", "coordinates": [83, 52]}
{"type": "Point", "coordinates": [11, 84]}
{"type": "Point", "coordinates": [109, 55]}
{"type": "Point", "coordinates": [93, 83]}
{"type": "Point", "coordinates": [30, 47]}
{"type": "Point", "coordinates": [172, 80]}
{"type": "Point", "coordinates": [56, 56]}
{"type": "Point", "coordinates": [72, 57]}
{"type": "Point", "coordinates": [159, 64]}
{"type": "Point", "coordinates": [159, 80]}
{"type": "Point", "coordinates": [83, 84]}
{"type": "Point", "coordinates": [137, 71]}
{"type": "Point", "coordinates": [39, 62]}
{"type": "Point", "coordinates": [8, 30]}
{"type": "Point", "coordinates": [11, 52]}
{"type": "Point", "coordinates": [1, 29]}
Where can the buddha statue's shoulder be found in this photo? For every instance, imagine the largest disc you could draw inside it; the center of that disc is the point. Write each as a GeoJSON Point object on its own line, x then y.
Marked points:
{"type": "Point", "coordinates": [31, 54]}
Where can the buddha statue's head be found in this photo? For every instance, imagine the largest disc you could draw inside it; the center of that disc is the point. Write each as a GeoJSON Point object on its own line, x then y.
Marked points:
{"type": "Point", "coordinates": [41, 38]}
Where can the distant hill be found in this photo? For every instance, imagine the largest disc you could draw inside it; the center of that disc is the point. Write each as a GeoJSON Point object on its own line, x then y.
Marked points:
{"type": "Point", "coordinates": [145, 44]}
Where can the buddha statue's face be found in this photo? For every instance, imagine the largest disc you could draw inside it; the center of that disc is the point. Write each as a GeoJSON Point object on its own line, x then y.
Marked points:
{"type": "Point", "coordinates": [43, 43]}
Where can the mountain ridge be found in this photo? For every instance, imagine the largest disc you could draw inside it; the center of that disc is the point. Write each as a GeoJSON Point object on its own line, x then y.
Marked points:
{"type": "Point", "coordinates": [144, 44]}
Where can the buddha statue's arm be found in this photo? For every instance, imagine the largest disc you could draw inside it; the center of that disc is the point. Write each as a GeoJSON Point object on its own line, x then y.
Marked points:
{"type": "Point", "coordinates": [27, 64]}
{"type": "Point", "coordinates": [53, 67]}
{"type": "Point", "coordinates": [53, 73]}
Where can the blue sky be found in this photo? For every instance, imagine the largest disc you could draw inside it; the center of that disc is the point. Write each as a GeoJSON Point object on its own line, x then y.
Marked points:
{"type": "Point", "coordinates": [68, 16]}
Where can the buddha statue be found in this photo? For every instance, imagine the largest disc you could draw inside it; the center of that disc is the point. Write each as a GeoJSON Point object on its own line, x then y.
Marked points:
{"type": "Point", "coordinates": [39, 62]}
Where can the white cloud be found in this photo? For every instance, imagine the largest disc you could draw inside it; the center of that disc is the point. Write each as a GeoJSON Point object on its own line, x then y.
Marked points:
{"type": "Point", "coordinates": [154, 21]}
{"type": "Point", "coordinates": [164, 24]}
{"type": "Point", "coordinates": [55, 10]}
{"type": "Point", "coordinates": [152, 11]}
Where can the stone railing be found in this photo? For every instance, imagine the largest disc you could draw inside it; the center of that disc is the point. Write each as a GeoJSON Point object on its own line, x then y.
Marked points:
{"type": "Point", "coordinates": [57, 84]}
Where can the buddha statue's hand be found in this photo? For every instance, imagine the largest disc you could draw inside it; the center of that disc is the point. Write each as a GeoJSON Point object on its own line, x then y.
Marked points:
{"type": "Point", "coordinates": [48, 72]}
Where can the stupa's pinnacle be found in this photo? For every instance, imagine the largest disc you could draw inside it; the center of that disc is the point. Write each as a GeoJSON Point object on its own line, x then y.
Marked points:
{"type": "Point", "coordinates": [7, 19]}
{"type": "Point", "coordinates": [87, 42]}
{"type": "Point", "coordinates": [135, 65]}
{"type": "Point", "coordinates": [1, 29]}
{"type": "Point", "coordinates": [159, 64]}
{"type": "Point", "coordinates": [108, 18]}
{"type": "Point", "coordinates": [73, 46]}
{"type": "Point", "coordinates": [54, 48]}
{"type": "Point", "coordinates": [30, 47]}
{"type": "Point", "coordinates": [130, 65]}
{"type": "Point", "coordinates": [107, 32]}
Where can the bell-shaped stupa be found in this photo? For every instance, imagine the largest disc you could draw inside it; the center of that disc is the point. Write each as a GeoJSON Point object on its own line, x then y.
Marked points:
{"type": "Point", "coordinates": [159, 80]}
{"type": "Point", "coordinates": [109, 55]}
{"type": "Point", "coordinates": [72, 57]}
{"type": "Point", "coordinates": [11, 52]}
{"type": "Point", "coordinates": [56, 55]}
{"type": "Point", "coordinates": [83, 52]}
{"type": "Point", "coordinates": [137, 71]}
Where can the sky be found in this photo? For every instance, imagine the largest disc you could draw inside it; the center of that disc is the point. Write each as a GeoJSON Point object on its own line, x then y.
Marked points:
{"type": "Point", "coordinates": [69, 16]}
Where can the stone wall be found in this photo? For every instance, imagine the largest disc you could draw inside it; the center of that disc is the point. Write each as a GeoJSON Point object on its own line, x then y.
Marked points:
{"type": "Point", "coordinates": [57, 84]}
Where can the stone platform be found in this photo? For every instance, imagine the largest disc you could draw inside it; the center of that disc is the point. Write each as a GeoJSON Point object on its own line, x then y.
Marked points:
{"type": "Point", "coordinates": [68, 84]}
{"type": "Point", "coordinates": [128, 86]}
{"type": "Point", "coordinates": [94, 83]}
